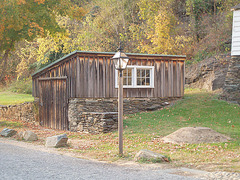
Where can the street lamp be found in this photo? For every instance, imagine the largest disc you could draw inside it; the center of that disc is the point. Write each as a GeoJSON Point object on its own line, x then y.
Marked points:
{"type": "Point", "coordinates": [120, 60]}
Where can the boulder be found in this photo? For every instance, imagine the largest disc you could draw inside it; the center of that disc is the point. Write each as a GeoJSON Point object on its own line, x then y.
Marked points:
{"type": "Point", "coordinates": [195, 135]}
{"type": "Point", "coordinates": [57, 141]}
{"type": "Point", "coordinates": [147, 155]}
{"type": "Point", "coordinates": [20, 135]}
{"type": "Point", "coordinates": [8, 132]}
{"type": "Point", "coordinates": [29, 136]}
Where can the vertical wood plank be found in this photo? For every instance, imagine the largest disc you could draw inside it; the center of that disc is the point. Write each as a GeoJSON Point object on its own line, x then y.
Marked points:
{"type": "Point", "coordinates": [183, 77]}
{"type": "Point", "coordinates": [95, 77]}
{"type": "Point", "coordinates": [98, 78]}
{"type": "Point", "coordinates": [85, 77]}
{"type": "Point", "coordinates": [104, 77]}
{"type": "Point", "coordinates": [171, 79]}
{"type": "Point", "coordinates": [53, 104]}
{"type": "Point", "coordinates": [174, 79]}
{"type": "Point", "coordinates": [90, 77]}
{"type": "Point", "coordinates": [157, 76]}
{"type": "Point", "coordinates": [107, 78]}
{"type": "Point", "coordinates": [82, 82]}
{"type": "Point", "coordinates": [166, 87]}
{"type": "Point", "coordinates": [177, 64]}
{"type": "Point", "coordinates": [78, 87]}
{"type": "Point", "coordinates": [161, 81]}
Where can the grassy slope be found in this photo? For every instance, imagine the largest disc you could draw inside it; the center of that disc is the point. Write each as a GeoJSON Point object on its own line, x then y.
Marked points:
{"type": "Point", "coordinates": [144, 131]}
{"type": "Point", "coordinates": [10, 98]}
{"type": "Point", "coordinates": [198, 108]}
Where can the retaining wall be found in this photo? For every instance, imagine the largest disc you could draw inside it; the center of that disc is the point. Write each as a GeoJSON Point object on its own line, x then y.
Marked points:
{"type": "Point", "coordinates": [25, 112]}
{"type": "Point", "coordinates": [100, 115]}
{"type": "Point", "coordinates": [231, 90]}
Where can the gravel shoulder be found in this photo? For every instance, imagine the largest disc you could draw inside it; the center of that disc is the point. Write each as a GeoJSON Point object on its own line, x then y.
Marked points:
{"type": "Point", "coordinates": [166, 168]}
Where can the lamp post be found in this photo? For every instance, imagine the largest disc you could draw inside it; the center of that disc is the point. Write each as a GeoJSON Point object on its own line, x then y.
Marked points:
{"type": "Point", "coordinates": [120, 60]}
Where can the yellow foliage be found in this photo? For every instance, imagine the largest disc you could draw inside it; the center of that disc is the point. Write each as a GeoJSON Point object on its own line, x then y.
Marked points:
{"type": "Point", "coordinates": [39, 1]}
{"type": "Point", "coordinates": [164, 32]}
{"type": "Point", "coordinates": [19, 2]}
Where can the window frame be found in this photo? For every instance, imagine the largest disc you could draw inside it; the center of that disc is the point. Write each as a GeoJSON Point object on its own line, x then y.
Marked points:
{"type": "Point", "coordinates": [134, 77]}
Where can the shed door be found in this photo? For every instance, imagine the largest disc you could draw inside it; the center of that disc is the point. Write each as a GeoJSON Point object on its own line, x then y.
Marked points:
{"type": "Point", "coordinates": [53, 105]}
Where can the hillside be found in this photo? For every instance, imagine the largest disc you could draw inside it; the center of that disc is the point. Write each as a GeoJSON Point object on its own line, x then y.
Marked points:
{"type": "Point", "coordinates": [195, 28]}
{"type": "Point", "coordinates": [218, 73]}
{"type": "Point", "coordinates": [209, 73]}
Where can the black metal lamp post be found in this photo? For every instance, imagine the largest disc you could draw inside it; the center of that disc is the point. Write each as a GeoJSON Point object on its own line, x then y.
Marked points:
{"type": "Point", "coordinates": [120, 60]}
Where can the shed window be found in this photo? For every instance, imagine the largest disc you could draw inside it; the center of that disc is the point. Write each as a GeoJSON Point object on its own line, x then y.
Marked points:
{"type": "Point", "coordinates": [137, 77]}
{"type": "Point", "coordinates": [127, 77]}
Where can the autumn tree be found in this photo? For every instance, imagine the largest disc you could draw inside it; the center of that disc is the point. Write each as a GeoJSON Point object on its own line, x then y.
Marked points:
{"type": "Point", "coordinates": [28, 19]}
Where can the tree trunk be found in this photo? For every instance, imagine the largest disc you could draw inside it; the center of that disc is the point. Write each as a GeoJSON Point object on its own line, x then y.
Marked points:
{"type": "Point", "coordinates": [4, 66]}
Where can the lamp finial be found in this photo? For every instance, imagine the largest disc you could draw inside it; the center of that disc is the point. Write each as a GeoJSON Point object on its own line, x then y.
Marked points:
{"type": "Point", "coordinates": [120, 47]}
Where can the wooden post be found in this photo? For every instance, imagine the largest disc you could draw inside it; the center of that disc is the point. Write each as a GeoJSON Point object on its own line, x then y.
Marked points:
{"type": "Point", "coordinates": [120, 113]}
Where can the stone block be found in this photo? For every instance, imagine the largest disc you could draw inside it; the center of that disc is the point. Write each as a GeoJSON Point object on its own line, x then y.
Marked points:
{"type": "Point", "coordinates": [91, 101]}
{"type": "Point", "coordinates": [150, 156]}
{"type": "Point", "coordinates": [165, 103]}
{"type": "Point", "coordinates": [154, 107]}
{"type": "Point", "coordinates": [29, 136]}
{"type": "Point", "coordinates": [20, 135]}
{"type": "Point", "coordinates": [74, 124]}
{"type": "Point", "coordinates": [107, 101]}
{"type": "Point", "coordinates": [57, 141]}
{"type": "Point", "coordinates": [80, 127]}
{"type": "Point", "coordinates": [8, 132]}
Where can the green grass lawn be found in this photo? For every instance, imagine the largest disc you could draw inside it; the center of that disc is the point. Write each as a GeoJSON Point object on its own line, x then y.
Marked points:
{"type": "Point", "coordinates": [197, 108]}
{"type": "Point", "coordinates": [10, 98]}
{"type": "Point", "coordinates": [145, 130]}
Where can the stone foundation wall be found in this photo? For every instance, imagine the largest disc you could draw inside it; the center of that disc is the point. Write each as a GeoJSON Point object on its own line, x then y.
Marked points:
{"type": "Point", "coordinates": [95, 122]}
{"type": "Point", "coordinates": [26, 112]}
{"type": "Point", "coordinates": [100, 115]}
{"type": "Point", "coordinates": [231, 90]}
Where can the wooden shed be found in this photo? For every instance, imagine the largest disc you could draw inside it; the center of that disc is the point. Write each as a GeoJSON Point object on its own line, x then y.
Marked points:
{"type": "Point", "coordinates": [82, 74]}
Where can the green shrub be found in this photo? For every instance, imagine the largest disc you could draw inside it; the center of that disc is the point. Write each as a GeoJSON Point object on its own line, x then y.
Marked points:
{"type": "Point", "coordinates": [22, 86]}
{"type": "Point", "coordinates": [201, 55]}
{"type": "Point", "coordinates": [10, 124]}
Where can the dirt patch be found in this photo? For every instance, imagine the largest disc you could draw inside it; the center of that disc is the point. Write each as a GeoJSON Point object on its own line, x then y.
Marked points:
{"type": "Point", "coordinates": [195, 135]}
{"type": "Point", "coordinates": [81, 143]}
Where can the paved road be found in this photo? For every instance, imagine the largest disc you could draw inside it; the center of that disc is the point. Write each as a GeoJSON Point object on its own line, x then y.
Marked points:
{"type": "Point", "coordinates": [23, 163]}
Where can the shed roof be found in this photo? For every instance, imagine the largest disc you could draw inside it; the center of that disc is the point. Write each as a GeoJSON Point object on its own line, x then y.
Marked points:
{"type": "Point", "coordinates": [104, 53]}
{"type": "Point", "coordinates": [235, 7]}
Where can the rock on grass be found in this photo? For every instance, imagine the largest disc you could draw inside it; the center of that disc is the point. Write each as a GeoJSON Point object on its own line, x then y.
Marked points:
{"type": "Point", "coordinates": [195, 135]}
{"type": "Point", "coordinates": [57, 141]}
{"type": "Point", "coordinates": [8, 132]}
{"type": "Point", "coordinates": [150, 156]}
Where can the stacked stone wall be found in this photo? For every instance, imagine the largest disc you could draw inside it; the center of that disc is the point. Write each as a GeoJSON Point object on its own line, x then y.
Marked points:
{"type": "Point", "coordinates": [100, 115]}
{"type": "Point", "coordinates": [88, 115]}
{"type": "Point", "coordinates": [25, 112]}
{"type": "Point", "coordinates": [95, 122]}
{"type": "Point", "coordinates": [231, 90]}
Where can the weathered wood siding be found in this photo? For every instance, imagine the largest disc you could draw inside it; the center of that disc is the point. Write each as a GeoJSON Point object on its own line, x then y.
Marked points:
{"type": "Point", "coordinates": [53, 102]}
{"type": "Point", "coordinates": [236, 33]}
{"type": "Point", "coordinates": [92, 75]}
